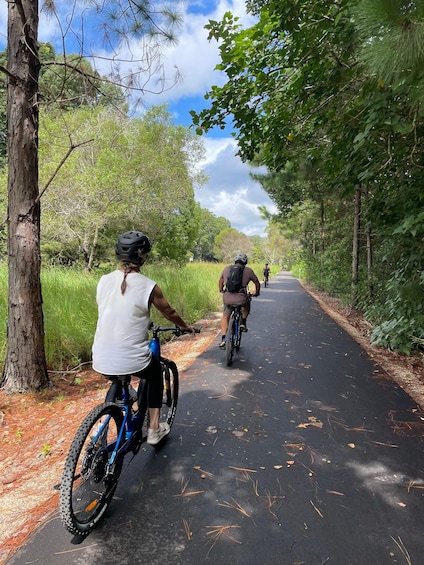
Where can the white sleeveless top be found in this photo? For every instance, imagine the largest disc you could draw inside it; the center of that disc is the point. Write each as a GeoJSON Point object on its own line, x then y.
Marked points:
{"type": "Point", "coordinates": [121, 341]}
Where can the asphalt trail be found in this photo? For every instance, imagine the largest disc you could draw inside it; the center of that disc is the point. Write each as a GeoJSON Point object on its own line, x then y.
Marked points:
{"type": "Point", "coordinates": [302, 452]}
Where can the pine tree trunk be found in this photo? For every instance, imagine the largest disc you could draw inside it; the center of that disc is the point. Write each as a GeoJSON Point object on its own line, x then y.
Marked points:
{"type": "Point", "coordinates": [369, 262]}
{"type": "Point", "coordinates": [25, 365]}
{"type": "Point", "coordinates": [355, 246]}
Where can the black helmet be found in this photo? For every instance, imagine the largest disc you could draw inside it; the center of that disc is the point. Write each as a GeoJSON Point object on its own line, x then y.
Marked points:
{"type": "Point", "coordinates": [131, 245]}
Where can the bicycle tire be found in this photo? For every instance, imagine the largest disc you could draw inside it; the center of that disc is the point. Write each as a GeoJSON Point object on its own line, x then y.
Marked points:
{"type": "Point", "coordinates": [170, 392]}
{"type": "Point", "coordinates": [230, 341]}
{"type": "Point", "coordinates": [86, 490]}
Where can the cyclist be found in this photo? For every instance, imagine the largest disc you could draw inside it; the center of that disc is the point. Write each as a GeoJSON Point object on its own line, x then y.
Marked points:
{"type": "Point", "coordinates": [240, 297]}
{"type": "Point", "coordinates": [266, 272]}
{"type": "Point", "coordinates": [121, 341]}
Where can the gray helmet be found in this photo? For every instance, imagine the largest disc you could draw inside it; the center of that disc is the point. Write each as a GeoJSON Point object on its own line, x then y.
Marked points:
{"type": "Point", "coordinates": [131, 245]}
{"type": "Point", "coordinates": [242, 257]}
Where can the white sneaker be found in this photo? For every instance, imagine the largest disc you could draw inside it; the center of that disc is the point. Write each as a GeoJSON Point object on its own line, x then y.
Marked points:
{"type": "Point", "coordinates": [156, 436]}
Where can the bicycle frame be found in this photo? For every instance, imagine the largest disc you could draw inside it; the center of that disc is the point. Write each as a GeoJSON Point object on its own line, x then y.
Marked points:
{"type": "Point", "coordinates": [131, 422]}
{"type": "Point", "coordinates": [233, 332]}
{"type": "Point", "coordinates": [110, 431]}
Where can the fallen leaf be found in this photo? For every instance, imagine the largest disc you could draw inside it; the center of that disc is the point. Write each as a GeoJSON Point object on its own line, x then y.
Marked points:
{"type": "Point", "coordinates": [316, 509]}
{"type": "Point", "coordinates": [307, 424]}
{"type": "Point", "coordinates": [278, 466]}
{"type": "Point", "coordinates": [352, 445]}
{"type": "Point", "coordinates": [334, 492]}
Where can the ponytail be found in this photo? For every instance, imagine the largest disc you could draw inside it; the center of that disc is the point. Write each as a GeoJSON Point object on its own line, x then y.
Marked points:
{"type": "Point", "coordinates": [128, 268]}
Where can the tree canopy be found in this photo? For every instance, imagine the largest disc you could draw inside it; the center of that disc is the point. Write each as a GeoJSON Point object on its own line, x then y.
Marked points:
{"type": "Point", "coordinates": [328, 95]}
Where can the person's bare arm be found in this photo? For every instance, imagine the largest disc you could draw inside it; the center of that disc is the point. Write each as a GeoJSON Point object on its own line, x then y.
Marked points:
{"type": "Point", "coordinates": [221, 283]}
{"type": "Point", "coordinates": [258, 288]}
{"type": "Point", "coordinates": [160, 302]}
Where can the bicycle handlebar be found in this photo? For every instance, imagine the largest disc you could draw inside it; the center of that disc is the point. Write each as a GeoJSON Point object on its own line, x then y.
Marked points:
{"type": "Point", "coordinates": [174, 329]}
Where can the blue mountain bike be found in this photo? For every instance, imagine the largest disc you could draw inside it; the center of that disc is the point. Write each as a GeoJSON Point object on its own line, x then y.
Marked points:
{"type": "Point", "coordinates": [110, 431]}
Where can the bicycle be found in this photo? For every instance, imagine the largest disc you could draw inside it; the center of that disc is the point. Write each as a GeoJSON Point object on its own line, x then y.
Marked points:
{"type": "Point", "coordinates": [233, 337]}
{"type": "Point", "coordinates": [110, 431]}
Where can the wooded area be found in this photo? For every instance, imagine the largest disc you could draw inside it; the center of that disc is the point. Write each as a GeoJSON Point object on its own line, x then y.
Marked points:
{"type": "Point", "coordinates": [326, 95]}
{"type": "Point", "coordinates": [329, 97]}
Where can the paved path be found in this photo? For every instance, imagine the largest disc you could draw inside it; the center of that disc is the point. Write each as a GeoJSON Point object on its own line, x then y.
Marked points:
{"type": "Point", "coordinates": [302, 452]}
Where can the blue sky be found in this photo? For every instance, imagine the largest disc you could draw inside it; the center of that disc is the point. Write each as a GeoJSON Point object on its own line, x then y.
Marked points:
{"type": "Point", "coordinates": [230, 191]}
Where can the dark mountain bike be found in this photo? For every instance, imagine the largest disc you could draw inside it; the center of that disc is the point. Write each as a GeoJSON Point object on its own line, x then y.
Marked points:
{"type": "Point", "coordinates": [110, 431]}
{"type": "Point", "coordinates": [233, 338]}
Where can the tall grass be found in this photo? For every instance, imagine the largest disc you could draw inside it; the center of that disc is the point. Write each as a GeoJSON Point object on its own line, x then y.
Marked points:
{"type": "Point", "coordinates": [70, 311]}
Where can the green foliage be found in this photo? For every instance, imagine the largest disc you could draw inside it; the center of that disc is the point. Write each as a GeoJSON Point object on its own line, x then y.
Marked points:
{"type": "Point", "coordinates": [70, 309]}
{"type": "Point", "coordinates": [229, 242]}
{"type": "Point", "coordinates": [393, 35]}
{"type": "Point", "coordinates": [209, 229]}
{"type": "Point", "coordinates": [328, 96]}
{"type": "Point", "coordinates": [93, 196]}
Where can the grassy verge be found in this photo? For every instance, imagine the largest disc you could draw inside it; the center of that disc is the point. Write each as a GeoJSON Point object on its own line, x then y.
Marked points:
{"type": "Point", "coordinates": [70, 311]}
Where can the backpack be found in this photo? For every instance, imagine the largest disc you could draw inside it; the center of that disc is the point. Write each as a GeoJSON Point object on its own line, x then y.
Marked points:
{"type": "Point", "coordinates": [234, 282]}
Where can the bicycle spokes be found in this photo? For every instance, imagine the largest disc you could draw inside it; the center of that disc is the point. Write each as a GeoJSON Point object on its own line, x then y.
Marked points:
{"type": "Point", "coordinates": [89, 479]}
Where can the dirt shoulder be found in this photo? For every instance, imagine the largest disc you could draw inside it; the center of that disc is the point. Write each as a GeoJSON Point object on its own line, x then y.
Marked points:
{"type": "Point", "coordinates": [34, 440]}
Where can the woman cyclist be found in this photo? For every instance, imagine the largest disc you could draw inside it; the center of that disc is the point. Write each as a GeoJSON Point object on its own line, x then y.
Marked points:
{"type": "Point", "coordinates": [121, 341]}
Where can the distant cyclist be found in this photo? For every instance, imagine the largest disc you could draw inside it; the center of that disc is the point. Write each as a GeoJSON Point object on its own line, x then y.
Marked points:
{"type": "Point", "coordinates": [233, 284]}
{"type": "Point", "coordinates": [266, 272]}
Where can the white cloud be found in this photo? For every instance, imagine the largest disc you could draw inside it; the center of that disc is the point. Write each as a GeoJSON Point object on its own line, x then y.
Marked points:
{"type": "Point", "coordinates": [195, 56]}
{"type": "Point", "coordinates": [231, 192]}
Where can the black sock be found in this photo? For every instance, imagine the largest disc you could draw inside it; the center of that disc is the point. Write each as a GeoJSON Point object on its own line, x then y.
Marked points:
{"type": "Point", "coordinates": [243, 321]}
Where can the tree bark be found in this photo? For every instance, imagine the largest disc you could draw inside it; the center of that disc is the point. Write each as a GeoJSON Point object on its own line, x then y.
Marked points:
{"type": "Point", "coordinates": [355, 246]}
{"type": "Point", "coordinates": [369, 262]}
{"type": "Point", "coordinates": [25, 366]}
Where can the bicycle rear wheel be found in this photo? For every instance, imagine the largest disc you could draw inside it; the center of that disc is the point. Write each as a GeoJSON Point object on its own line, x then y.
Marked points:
{"type": "Point", "coordinates": [230, 341]}
{"type": "Point", "coordinates": [87, 488]}
{"type": "Point", "coordinates": [170, 391]}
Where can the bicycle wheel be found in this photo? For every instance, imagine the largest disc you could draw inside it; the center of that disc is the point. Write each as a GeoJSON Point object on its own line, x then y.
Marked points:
{"type": "Point", "coordinates": [230, 341]}
{"type": "Point", "coordinates": [86, 488]}
{"type": "Point", "coordinates": [170, 392]}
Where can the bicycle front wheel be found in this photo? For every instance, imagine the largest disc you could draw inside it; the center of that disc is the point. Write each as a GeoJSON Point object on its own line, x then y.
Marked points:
{"type": "Point", "coordinates": [230, 341]}
{"type": "Point", "coordinates": [170, 392]}
{"type": "Point", "coordinates": [88, 481]}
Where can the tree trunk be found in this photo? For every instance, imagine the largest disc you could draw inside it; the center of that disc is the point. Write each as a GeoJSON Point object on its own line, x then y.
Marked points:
{"type": "Point", "coordinates": [25, 365]}
{"type": "Point", "coordinates": [369, 262]}
{"type": "Point", "coordinates": [355, 246]}
{"type": "Point", "coordinates": [93, 248]}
